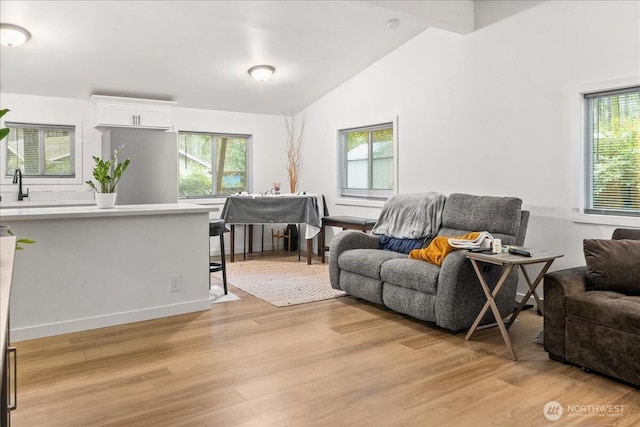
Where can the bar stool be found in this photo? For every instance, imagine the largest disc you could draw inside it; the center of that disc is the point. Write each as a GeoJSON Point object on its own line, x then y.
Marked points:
{"type": "Point", "coordinates": [217, 228]}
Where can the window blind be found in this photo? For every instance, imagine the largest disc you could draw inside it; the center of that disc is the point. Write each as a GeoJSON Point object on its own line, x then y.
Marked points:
{"type": "Point", "coordinates": [368, 161]}
{"type": "Point", "coordinates": [41, 150]}
{"type": "Point", "coordinates": [612, 179]}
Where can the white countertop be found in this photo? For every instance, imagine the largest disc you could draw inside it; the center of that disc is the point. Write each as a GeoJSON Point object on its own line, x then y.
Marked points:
{"type": "Point", "coordinates": [67, 212]}
{"type": "Point", "coordinates": [45, 203]}
{"type": "Point", "coordinates": [7, 253]}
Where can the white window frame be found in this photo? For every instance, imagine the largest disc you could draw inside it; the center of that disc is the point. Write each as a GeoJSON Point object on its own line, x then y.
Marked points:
{"type": "Point", "coordinates": [368, 198]}
{"type": "Point", "coordinates": [248, 151]}
{"type": "Point", "coordinates": [6, 177]}
{"type": "Point", "coordinates": [577, 134]}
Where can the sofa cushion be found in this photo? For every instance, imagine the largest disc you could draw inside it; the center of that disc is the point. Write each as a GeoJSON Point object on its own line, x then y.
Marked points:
{"type": "Point", "coordinates": [613, 265]}
{"type": "Point", "coordinates": [360, 286]}
{"type": "Point", "coordinates": [409, 301]}
{"type": "Point", "coordinates": [366, 262]}
{"type": "Point", "coordinates": [482, 213]}
{"type": "Point", "coordinates": [611, 309]}
{"type": "Point", "coordinates": [411, 274]}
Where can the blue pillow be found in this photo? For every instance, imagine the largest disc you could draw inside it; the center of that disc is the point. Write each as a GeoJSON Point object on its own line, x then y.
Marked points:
{"type": "Point", "coordinates": [404, 246]}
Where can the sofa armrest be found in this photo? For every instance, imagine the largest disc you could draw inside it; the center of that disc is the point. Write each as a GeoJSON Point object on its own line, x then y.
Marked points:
{"type": "Point", "coordinates": [460, 297]}
{"type": "Point", "coordinates": [557, 286]}
{"type": "Point", "coordinates": [344, 241]}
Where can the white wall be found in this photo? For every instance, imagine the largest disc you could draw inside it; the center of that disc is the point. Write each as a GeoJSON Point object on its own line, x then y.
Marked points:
{"type": "Point", "coordinates": [268, 155]}
{"type": "Point", "coordinates": [53, 111]}
{"type": "Point", "coordinates": [488, 113]}
{"type": "Point", "coordinates": [269, 138]}
{"type": "Point", "coordinates": [496, 102]}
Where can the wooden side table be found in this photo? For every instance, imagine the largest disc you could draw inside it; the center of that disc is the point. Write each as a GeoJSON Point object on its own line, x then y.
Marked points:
{"type": "Point", "coordinates": [509, 261]}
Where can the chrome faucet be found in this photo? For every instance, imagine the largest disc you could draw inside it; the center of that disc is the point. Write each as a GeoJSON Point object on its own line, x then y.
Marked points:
{"type": "Point", "coordinates": [17, 179]}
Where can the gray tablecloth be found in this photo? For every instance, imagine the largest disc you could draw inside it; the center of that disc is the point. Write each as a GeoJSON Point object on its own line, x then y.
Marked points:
{"type": "Point", "coordinates": [250, 209]}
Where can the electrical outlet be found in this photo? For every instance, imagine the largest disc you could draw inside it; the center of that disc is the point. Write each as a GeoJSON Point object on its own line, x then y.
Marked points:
{"type": "Point", "coordinates": [176, 283]}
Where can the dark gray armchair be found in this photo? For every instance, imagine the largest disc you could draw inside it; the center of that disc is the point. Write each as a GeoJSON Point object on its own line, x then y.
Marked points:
{"type": "Point", "coordinates": [592, 313]}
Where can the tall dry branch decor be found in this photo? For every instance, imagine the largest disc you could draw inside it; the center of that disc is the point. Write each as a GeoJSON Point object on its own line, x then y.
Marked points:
{"type": "Point", "coordinates": [294, 155]}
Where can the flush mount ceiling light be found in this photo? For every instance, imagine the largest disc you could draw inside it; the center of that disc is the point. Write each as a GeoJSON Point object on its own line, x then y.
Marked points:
{"type": "Point", "coordinates": [261, 72]}
{"type": "Point", "coordinates": [13, 35]}
{"type": "Point", "coordinates": [392, 24]}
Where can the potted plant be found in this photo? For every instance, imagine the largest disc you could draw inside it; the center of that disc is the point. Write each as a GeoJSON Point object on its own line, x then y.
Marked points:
{"type": "Point", "coordinates": [107, 173]}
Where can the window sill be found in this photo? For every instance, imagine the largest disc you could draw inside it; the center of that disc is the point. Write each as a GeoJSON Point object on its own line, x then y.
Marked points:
{"type": "Point", "coordinates": [204, 201]}
{"type": "Point", "coordinates": [621, 221]}
{"type": "Point", "coordinates": [360, 202]}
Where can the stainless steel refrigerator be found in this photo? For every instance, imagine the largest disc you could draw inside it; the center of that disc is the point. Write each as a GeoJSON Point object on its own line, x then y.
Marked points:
{"type": "Point", "coordinates": [152, 175]}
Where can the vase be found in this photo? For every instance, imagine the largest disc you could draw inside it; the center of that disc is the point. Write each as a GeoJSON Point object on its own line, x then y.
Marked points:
{"type": "Point", "coordinates": [106, 200]}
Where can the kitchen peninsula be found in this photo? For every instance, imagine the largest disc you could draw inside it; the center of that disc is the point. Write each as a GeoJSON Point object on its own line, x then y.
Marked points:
{"type": "Point", "coordinates": [92, 268]}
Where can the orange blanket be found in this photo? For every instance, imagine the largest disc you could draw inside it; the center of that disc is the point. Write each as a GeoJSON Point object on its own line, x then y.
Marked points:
{"type": "Point", "coordinates": [439, 248]}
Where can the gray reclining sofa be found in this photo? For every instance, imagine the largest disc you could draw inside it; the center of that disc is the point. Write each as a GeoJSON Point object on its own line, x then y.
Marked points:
{"type": "Point", "coordinates": [449, 295]}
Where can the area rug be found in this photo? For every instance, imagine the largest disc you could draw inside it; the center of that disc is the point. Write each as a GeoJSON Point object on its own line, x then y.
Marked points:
{"type": "Point", "coordinates": [216, 295]}
{"type": "Point", "coordinates": [282, 281]}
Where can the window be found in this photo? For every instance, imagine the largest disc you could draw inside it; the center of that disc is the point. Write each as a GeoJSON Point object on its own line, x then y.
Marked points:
{"type": "Point", "coordinates": [368, 161]}
{"type": "Point", "coordinates": [612, 144]}
{"type": "Point", "coordinates": [44, 151]}
{"type": "Point", "coordinates": [212, 164]}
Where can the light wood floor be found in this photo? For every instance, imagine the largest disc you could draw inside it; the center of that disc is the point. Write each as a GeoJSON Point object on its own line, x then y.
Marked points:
{"type": "Point", "coordinates": [329, 363]}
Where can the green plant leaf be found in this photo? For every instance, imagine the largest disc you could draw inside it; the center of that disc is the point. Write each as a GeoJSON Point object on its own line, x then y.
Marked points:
{"type": "Point", "coordinates": [4, 131]}
{"type": "Point", "coordinates": [19, 241]}
{"type": "Point", "coordinates": [107, 173]}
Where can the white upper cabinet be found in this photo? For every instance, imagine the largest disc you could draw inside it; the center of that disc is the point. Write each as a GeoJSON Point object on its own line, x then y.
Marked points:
{"type": "Point", "coordinates": [113, 111]}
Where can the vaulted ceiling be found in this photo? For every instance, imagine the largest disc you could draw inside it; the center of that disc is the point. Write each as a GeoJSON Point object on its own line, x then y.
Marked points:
{"type": "Point", "coordinates": [197, 52]}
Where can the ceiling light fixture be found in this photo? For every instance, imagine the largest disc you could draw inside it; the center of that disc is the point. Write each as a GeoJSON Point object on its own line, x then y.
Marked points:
{"type": "Point", "coordinates": [261, 72]}
{"type": "Point", "coordinates": [13, 35]}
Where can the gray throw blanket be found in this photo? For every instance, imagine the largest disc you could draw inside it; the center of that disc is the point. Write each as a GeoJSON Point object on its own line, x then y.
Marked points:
{"type": "Point", "coordinates": [411, 216]}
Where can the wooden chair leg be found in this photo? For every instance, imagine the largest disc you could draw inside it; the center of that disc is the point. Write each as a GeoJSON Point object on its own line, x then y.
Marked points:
{"type": "Point", "coordinates": [274, 240]}
{"type": "Point", "coordinates": [288, 237]}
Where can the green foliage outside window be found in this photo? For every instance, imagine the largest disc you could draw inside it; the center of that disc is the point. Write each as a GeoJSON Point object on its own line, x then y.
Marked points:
{"type": "Point", "coordinates": [369, 158]}
{"type": "Point", "coordinates": [40, 150]}
{"type": "Point", "coordinates": [195, 183]}
{"type": "Point", "coordinates": [212, 164]}
{"type": "Point", "coordinates": [615, 152]}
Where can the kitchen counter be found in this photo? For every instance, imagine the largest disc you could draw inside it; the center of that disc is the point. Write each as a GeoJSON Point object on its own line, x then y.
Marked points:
{"type": "Point", "coordinates": [7, 253]}
{"type": "Point", "coordinates": [6, 204]}
{"type": "Point", "coordinates": [38, 213]}
{"type": "Point", "coordinates": [90, 268]}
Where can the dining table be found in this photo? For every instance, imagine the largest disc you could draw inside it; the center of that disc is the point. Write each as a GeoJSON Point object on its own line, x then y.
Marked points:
{"type": "Point", "coordinates": [295, 208]}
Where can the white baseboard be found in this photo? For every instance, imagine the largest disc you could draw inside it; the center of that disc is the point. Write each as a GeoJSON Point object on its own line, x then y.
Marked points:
{"type": "Point", "coordinates": [532, 300]}
{"type": "Point", "coordinates": [76, 325]}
